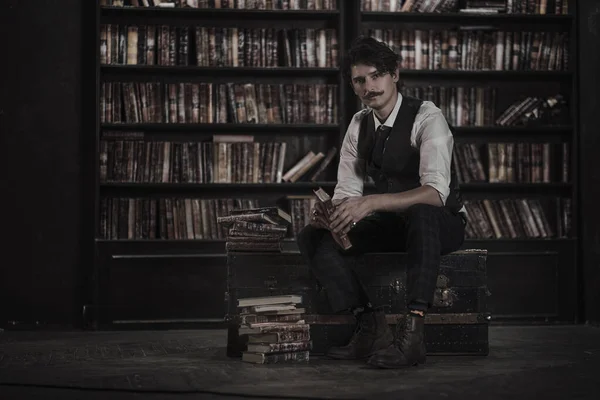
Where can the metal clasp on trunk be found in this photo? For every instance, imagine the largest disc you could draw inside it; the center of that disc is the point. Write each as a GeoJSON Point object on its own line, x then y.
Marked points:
{"type": "Point", "coordinates": [271, 282]}
{"type": "Point", "coordinates": [397, 285]}
{"type": "Point", "coordinates": [443, 298]}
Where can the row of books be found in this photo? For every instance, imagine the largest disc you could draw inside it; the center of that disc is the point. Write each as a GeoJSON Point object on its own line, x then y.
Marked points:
{"type": "Point", "coordinates": [542, 7]}
{"type": "Point", "coordinates": [476, 106]}
{"type": "Point", "coordinates": [167, 218]}
{"type": "Point", "coordinates": [196, 218]}
{"type": "Point", "coordinates": [197, 162]}
{"type": "Point", "coordinates": [236, 4]}
{"type": "Point", "coordinates": [419, 6]}
{"type": "Point", "coordinates": [436, 6]}
{"type": "Point", "coordinates": [217, 47]}
{"type": "Point", "coordinates": [300, 206]}
{"type": "Point", "coordinates": [549, 110]}
{"type": "Point", "coordinates": [512, 162]}
{"type": "Point", "coordinates": [186, 102]}
{"type": "Point", "coordinates": [256, 229]}
{"type": "Point", "coordinates": [557, 7]}
{"type": "Point", "coordinates": [471, 48]}
{"type": "Point", "coordinates": [139, 161]}
{"type": "Point", "coordinates": [461, 105]}
{"type": "Point", "coordinates": [516, 218]}
{"type": "Point", "coordinates": [274, 329]}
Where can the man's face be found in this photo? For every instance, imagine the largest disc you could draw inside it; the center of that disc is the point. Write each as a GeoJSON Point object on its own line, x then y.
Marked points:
{"type": "Point", "coordinates": [375, 89]}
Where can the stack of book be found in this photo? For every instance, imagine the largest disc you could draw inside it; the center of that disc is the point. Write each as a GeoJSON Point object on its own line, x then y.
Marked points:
{"type": "Point", "coordinates": [275, 330]}
{"type": "Point", "coordinates": [256, 229]}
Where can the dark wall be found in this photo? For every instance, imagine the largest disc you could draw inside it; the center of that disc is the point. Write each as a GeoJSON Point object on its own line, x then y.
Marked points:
{"type": "Point", "coordinates": [41, 174]}
{"type": "Point", "coordinates": [589, 130]}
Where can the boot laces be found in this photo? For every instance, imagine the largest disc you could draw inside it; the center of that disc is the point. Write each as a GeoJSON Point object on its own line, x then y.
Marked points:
{"type": "Point", "coordinates": [361, 326]}
{"type": "Point", "coordinates": [402, 329]}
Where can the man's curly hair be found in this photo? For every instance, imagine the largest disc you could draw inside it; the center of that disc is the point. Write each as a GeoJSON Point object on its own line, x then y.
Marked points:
{"type": "Point", "coordinates": [369, 51]}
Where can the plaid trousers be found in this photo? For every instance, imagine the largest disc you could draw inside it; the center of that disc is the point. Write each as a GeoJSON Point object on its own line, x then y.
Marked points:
{"type": "Point", "coordinates": [423, 231]}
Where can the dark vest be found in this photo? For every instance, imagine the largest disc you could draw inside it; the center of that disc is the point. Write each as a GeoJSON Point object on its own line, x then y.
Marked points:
{"type": "Point", "coordinates": [400, 167]}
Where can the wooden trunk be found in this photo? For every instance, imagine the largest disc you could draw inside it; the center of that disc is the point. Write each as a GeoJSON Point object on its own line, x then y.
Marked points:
{"type": "Point", "coordinates": [456, 324]}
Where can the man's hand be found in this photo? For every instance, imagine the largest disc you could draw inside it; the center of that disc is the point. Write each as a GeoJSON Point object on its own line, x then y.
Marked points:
{"type": "Point", "coordinates": [318, 217]}
{"type": "Point", "coordinates": [349, 211]}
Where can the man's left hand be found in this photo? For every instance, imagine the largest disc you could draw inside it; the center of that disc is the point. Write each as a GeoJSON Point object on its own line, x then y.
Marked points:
{"type": "Point", "coordinates": [349, 212]}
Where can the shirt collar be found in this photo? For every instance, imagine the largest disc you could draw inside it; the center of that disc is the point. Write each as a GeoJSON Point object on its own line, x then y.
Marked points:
{"type": "Point", "coordinates": [392, 117]}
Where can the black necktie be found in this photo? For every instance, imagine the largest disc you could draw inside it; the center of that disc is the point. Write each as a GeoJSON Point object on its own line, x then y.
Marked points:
{"type": "Point", "coordinates": [381, 135]}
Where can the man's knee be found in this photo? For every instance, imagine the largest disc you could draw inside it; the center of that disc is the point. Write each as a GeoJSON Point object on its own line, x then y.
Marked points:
{"type": "Point", "coordinates": [309, 238]}
{"type": "Point", "coordinates": [421, 210]}
{"type": "Point", "coordinates": [422, 219]}
{"type": "Point", "coordinates": [305, 235]}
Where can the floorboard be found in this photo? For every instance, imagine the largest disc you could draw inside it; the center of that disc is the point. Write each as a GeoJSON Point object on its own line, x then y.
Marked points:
{"type": "Point", "coordinates": [550, 362]}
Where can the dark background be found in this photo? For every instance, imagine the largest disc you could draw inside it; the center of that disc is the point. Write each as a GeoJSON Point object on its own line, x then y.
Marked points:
{"type": "Point", "coordinates": [47, 120]}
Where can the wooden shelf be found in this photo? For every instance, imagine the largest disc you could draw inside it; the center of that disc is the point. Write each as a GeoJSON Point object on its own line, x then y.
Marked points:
{"type": "Point", "coordinates": [518, 132]}
{"type": "Point", "coordinates": [522, 130]}
{"type": "Point", "coordinates": [182, 72]}
{"type": "Point", "coordinates": [522, 189]}
{"type": "Point", "coordinates": [467, 18]}
{"type": "Point", "coordinates": [212, 189]}
{"type": "Point", "coordinates": [524, 240]}
{"type": "Point", "coordinates": [221, 128]}
{"type": "Point", "coordinates": [180, 241]}
{"type": "Point", "coordinates": [291, 240]}
{"type": "Point", "coordinates": [248, 189]}
{"type": "Point", "coordinates": [154, 14]}
{"type": "Point", "coordinates": [502, 76]}
{"type": "Point", "coordinates": [201, 242]}
{"type": "Point", "coordinates": [485, 134]}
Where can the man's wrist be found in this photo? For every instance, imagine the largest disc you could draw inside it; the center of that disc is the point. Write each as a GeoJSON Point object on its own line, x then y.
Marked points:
{"type": "Point", "coordinates": [374, 203]}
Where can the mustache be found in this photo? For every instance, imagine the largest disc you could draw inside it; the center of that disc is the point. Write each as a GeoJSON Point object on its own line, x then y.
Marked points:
{"type": "Point", "coordinates": [374, 94]}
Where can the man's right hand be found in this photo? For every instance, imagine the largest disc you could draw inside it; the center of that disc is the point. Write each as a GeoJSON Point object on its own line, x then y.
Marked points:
{"type": "Point", "coordinates": [318, 217]}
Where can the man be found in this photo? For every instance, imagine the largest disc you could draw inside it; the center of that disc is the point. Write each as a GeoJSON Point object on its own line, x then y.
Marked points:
{"type": "Point", "coordinates": [405, 146]}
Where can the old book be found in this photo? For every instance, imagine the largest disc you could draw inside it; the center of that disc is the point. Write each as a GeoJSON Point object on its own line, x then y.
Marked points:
{"type": "Point", "coordinates": [341, 239]}
{"type": "Point", "coordinates": [324, 164]}
{"type": "Point", "coordinates": [279, 337]}
{"type": "Point", "coordinates": [254, 246]}
{"type": "Point", "coordinates": [274, 212]}
{"type": "Point", "coordinates": [307, 167]}
{"type": "Point", "coordinates": [273, 327]}
{"type": "Point", "coordinates": [303, 161]}
{"type": "Point", "coordinates": [254, 239]}
{"type": "Point", "coordinates": [266, 300]}
{"type": "Point", "coordinates": [272, 310]}
{"type": "Point", "coordinates": [234, 233]}
{"type": "Point", "coordinates": [262, 358]}
{"type": "Point", "coordinates": [270, 348]}
{"type": "Point", "coordinates": [255, 217]}
{"type": "Point", "coordinates": [260, 318]}
{"type": "Point", "coordinates": [218, 138]}
{"type": "Point", "coordinates": [249, 226]}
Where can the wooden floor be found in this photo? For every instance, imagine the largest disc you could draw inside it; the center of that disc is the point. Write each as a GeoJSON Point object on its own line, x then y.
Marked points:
{"type": "Point", "coordinates": [547, 362]}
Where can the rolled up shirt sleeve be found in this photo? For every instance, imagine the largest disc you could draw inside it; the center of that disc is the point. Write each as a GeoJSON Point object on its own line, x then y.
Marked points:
{"type": "Point", "coordinates": [351, 169]}
{"type": "Point", "coordinates": [435, 143]}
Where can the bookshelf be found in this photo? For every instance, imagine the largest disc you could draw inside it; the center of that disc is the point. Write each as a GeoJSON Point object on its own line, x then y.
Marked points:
{"type": "Point", "coordinates": [159, 266]}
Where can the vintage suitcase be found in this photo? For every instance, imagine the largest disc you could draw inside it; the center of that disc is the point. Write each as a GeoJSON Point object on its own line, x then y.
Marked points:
{"type": "Point", "coordinates": [456, 324]}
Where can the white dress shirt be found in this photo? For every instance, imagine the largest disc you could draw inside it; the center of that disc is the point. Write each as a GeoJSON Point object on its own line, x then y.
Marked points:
{"type": "Point", "coordinates": [430, 135]}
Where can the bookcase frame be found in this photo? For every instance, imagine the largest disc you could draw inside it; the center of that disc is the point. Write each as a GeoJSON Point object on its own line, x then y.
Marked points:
{"type": "Point", "coordinates": [553, 262]}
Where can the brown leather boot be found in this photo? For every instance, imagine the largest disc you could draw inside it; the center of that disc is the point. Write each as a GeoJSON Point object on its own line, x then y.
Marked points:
{"type": "Point", "coordinates": [372, 333]}
{"type": "Point", "coordinates": [408, 348]}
